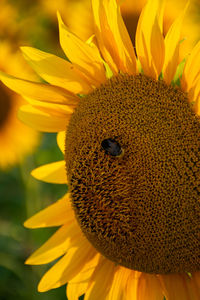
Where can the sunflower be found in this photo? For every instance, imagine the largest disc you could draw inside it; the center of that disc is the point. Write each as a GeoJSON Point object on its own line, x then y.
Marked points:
{"type": "Point", "coordinates": [128, 127]}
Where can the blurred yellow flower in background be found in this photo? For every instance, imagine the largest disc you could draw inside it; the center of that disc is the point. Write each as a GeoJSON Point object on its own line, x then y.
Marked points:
{"type": "Point", "coordinates": [77, 15]}
{"type": "Point", "coordinates": [128, 126]}
{"type": "Point", "coordinates": [16, 139]}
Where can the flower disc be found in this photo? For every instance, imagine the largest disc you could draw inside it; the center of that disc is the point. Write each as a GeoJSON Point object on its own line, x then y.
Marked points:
{"type": "Point", "coordinates": [140, 209]}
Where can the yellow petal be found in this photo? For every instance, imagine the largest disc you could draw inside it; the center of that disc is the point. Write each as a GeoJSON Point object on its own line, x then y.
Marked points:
{"type": "Point", "coordinates": [149, 287]}
{"type": "Point", "coordinates": [175, 286]}
{"type": "Point", "coordinates": [194, 96]}
{"type": "Point", "coordinates": [101, 280]}
{"type": "Point", "coordinates": [196, 284]}
{"type": "Point", "coordinates": [54, 172]}
{"type": "Point", "coordinates": [118, 287]}
{"type": "Point", "coordinates": [43, 120]}
{"type": "Point", "coordinates": [132, 285]}
{"type": "Point", "coordinates": [57, 71]}
{"type": "Point", "coordinates": [196, 277]}
{"type": "Point", "coordinates": [172, 48]}
{"type": "Point", "coordinates": [54, 215]}
{"type": "Point", "coordinates": [113, 38]}
{"type": "Point", "coordinates": [84, 56]}
{"type": "Point", "coordinates": [39, 91]}
{"type": "Point", "coordinates": [61, 140]}
{"type": "Point", "coordinates": [57, 245]}
{"type": "Point", "coordinates": [51, 107]}
{"type": "Point", "coordinates": [67, 267]}
{"type": "Point", "coordinates": [192, 287]}
{"type": "Point", "coordinates": [78, 285]}
{"type": "Point", "coordinates": [79, 17]}
{"type": "Point", "coordinates": [149, 38]}
{"type": "Point", "coordinates": [191, 73]}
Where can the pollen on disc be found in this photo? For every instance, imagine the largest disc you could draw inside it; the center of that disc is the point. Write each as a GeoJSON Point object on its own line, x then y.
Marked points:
{"type": "Point", "coordinates": [140, 210]}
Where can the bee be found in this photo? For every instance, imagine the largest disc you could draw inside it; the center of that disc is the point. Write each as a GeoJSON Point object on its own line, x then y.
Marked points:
{"type": "Point", "coordinates": [112, 147]}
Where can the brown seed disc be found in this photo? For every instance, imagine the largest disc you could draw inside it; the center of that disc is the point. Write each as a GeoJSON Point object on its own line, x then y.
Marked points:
{"type": "Point", "coordinates": [5, 105]}
{"type": "Point", "coordinates": [140, 209]}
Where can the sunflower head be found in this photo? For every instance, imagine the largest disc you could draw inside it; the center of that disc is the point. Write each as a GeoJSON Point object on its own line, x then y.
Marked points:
{"type": "Point", "coordinates": [124, 204]}
{"type": "Point", "coordinates": [131, 151]}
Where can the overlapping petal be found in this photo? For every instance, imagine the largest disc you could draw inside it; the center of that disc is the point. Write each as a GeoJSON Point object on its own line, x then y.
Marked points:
{"type": "Point", "coordinates": [191, 74]}
{"type": "Point", "coordinates": [194, 95]}
{"type": "Point", "coordinates": [132, 285]}
{"type": "Point", "coordinates": [54, 215]}
{"type": "Point", "coordinates": [68, 266]}
{"type": "Point", "coordinates": [172, 48]}
{"type": "Point", "coordinates": [149, 287]}
{"type": "Point", "coordinates": [78, 285]}
{"type": "Point", "coordinates": [39, 91]}
{"type": "Point", "coordinates": [84, 56]}
{"type": "Point", "coordinates": [43, 120]}
{"type": "Point", "coordinates": [57, 71]}
{"type": "Point", "coordinates": [149, 39]}
{"type": "Point", "coordinates": [53, 173]}
{"type": "Point", "coordinates": [196, 284]}
{"type": "Point", "coordinates": [119, 283]}
{"type": "Point", "coordinates": [58, 244]}
{"type": "Point", "coordinates": [101, 280]}
{"type": "Point", "coordinates": [176, 286]}
{"type": "Point", "coordinates": [113, 38]}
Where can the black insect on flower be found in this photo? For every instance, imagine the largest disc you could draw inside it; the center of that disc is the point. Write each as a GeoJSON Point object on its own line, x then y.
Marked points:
{"type": "Point", "coordinates": [111, 147]}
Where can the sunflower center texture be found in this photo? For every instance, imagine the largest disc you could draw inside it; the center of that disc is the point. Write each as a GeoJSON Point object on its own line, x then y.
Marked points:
{"type": "Point", "coordinates": [133, 164]}
{"type": "Point", "coordinates": [5, 105]}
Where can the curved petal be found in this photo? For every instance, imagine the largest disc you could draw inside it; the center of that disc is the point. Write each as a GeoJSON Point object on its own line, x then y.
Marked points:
{"type": "Point", "coordinates": [191, 73]}
{"type": "Point", "coordinates": [195, 282]}
{"type": "Point", "coordinates": [54, 173]}
{"type": "Point", "coordinates": [39, 91]}
{"type": "Point", "coordinates": [194, 96]}
{"type": "Point", "coordinates": [61, 140]}
{"type": "Point", "coordinates": [57, 245]}
{"type": "Point", "coordinates": [149, 287]}
{"type": "Point", "coordinates": [176, 287]}
{"type": "Point", "coordinates": [57, 71]}
{"type": "Point", "coordinates": [52, 107]}
{"type": "Point", "coordinates": [118, 287]}
{"type": "Point", "coordinates": [78, 285]}
{"type": "Point", "coordinates": [84, 56]}
{"type": "Point", "coordinates": [55, 214]}
{"type": "Point", "coordinates": [172, 47]}
{"type": "Point", "coordinates": [113, 38]}
{"type": "Point", "coordinates": [149, 39]}
{"type": "Point", "coordinates": [132, 285]}
{"type": "Point", "coordinates": [68, 266]}
{"type": "Point", "coordinates": [101, 280]}
{"type": "Point", "coordinates": [43, 120]}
